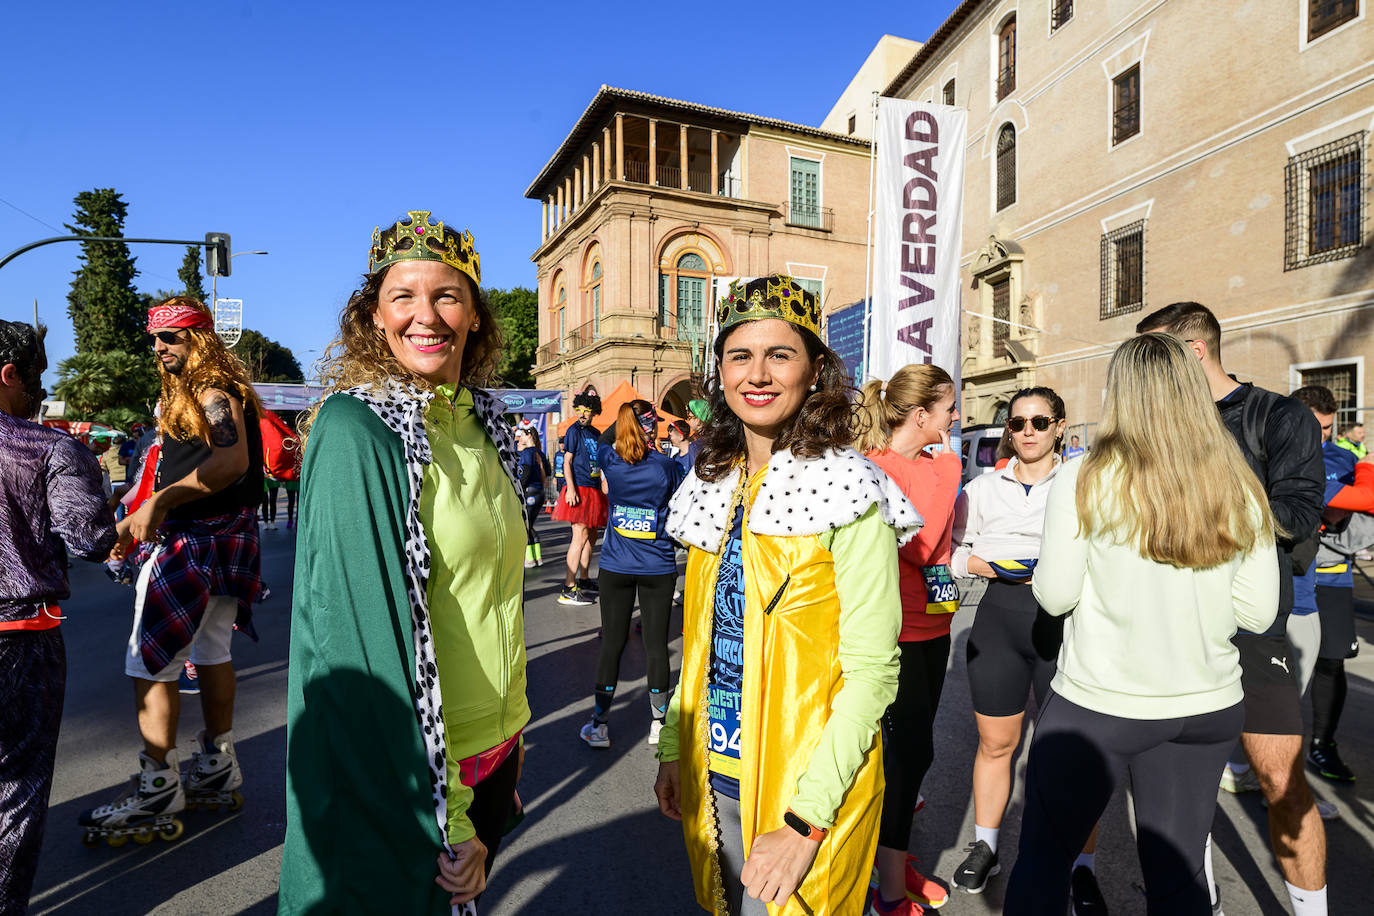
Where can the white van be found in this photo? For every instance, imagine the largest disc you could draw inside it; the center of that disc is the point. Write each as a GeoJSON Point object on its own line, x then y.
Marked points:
{"type": "Point", "coordinates": [978, 445]}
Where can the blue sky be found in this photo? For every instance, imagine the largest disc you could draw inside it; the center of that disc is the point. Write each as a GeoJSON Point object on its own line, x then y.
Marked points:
{"type": "Point", "coordinates": [299, 127]}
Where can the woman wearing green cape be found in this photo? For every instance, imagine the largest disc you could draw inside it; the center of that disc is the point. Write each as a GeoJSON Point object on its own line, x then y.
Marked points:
{"type": "Point", "coordinates": [406, 698]}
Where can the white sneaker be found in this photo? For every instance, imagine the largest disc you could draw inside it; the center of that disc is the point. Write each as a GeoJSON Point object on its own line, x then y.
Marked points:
{"type": "Point", "coordinates": [596, 735]}
{"type": "Point", "coordinates": [655, 727]}
{"type": "Point", "coordinates": [1236, 783]}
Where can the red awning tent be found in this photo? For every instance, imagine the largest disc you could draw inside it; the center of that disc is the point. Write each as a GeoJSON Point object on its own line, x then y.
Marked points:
{"type": "Point", "coordinates": [84, 430]}
{"type": "Point", "coordinates": [623, 393]}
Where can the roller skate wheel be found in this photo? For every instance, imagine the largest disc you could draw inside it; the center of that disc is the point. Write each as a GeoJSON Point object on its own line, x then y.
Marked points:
{"type": "Point", "coordinates": [236, 800]}
{"type": "Point", "coordinates": [117, 839]}
{"type": "Point", "coordinates": [210, 805]}
{"type": "Point", "coordinates": [172, 831]}
{"type": "Point", "coordinates": [143, 838]}
{"type": "Point", "coordinates": [90, 840]}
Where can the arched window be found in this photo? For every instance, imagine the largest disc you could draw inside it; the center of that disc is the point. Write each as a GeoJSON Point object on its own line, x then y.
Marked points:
{"type": "Point", "coordinates": [560, 308]}
{"type": "Point", "coordinates": [1006, 59]}
{"type": "Point", "coordinates": [692, 273]}
{"type": "Point", "coordinates": [594, 297]}
{"type": "Point", "coordinates": [1006, 166]}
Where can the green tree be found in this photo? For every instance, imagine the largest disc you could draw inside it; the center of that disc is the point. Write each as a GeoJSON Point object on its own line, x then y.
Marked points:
{"type": "Point", "coordinates": [103, 305]}
{"type": "Point", "coordinates": [267, 360]}
{"type": "Point", "coordinates": [517, 314]}
{"type": "Point", "coordinates": [189, 274]}
{"type": "Point", "coordinates": [97, 384]}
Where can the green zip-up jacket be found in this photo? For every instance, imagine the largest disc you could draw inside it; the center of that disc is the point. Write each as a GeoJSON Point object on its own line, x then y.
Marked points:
{"type": "Point", "coordinates": [365, 799]}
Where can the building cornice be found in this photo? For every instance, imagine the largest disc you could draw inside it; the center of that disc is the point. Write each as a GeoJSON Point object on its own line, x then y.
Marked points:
{"type": "Point", "coordinates": [928, 50]}
{"type": "Point", "coordinates": [610, 99]}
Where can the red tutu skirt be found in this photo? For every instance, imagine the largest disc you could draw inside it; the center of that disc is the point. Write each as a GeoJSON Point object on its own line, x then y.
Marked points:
{"type": "Point", "coordinates": [590, 510]}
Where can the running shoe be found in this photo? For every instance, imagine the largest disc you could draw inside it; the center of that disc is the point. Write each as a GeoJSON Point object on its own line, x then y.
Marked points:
{"type": "Point", "coordinates": [188, 682]}
{"type": "Point", "coordinates": [980, 865]}
{"type": "Point", "coordinates": [1328, 763]}
{"type": "Point", "coordinates": [1326, 810]}
{"type": "Point", "coordinates": [922, 890]}
{"type": "Point", "coordinates": [573, 596]}
{"type": "Point", "coordinates": [1085, 898]}
{"type": "Point", "coordinates": [588, 587]}
{"type": "Point", "coordinates": [1236, 783]}
{"type": "Point", "coordinates": [904, 907]}
{"type": "Point", "coordinates": [597, 735]}
{"type": "Point", "coordinates": [655, 727]}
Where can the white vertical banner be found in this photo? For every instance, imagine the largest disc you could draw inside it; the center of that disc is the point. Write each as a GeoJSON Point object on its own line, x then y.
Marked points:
{"type": "Point", "coordinates": [917, 235]}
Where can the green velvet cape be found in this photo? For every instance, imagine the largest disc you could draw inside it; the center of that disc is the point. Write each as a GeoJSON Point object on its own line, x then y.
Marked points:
{"type": "Point", "coordinates": [361, 835]}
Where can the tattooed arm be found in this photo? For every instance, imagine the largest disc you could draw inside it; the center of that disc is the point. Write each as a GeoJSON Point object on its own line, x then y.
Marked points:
{"type": "Point", "coordinates": [227, 462]}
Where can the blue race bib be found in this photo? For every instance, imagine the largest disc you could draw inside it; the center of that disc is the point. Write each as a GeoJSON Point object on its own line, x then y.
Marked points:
{"type": "Point", "coordinates": [942, 593]}
{"type": "Point", "coordinates": [635, 522]}
{"type": "Point", "coordinates": [724, 716]}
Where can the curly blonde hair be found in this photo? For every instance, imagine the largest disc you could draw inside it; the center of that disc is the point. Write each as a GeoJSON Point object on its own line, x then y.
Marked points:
{"type": "Point", "coordinates": [360, 356]}
{"type": "Point", "coordinates": [209, 365]}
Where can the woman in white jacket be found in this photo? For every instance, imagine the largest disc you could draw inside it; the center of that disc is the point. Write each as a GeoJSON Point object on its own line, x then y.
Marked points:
{"type": "Point", "coordinates": [1156, 547]}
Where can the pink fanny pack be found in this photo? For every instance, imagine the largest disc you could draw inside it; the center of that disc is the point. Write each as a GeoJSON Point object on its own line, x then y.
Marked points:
{"type": "Point", "coordinates": [479, 766]}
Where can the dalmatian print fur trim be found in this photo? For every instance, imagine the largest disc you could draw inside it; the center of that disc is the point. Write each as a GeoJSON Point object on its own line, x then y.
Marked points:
{"type": "Point", "coordinates": [402, 409]}
{"type": "Point", "coordinates": [798, 496]}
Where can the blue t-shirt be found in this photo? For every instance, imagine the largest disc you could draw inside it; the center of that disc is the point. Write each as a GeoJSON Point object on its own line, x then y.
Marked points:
{"type": "Point", "coordinates": [530, 460]}
{"type": "Point", "coordinates": [636, 543]}
{"type": "Point", "coordinates": [726, 677]}
{"type": "Point", "coordinates": [1340, 473]}
{"type": "Point", "coordinates": [580, 442]}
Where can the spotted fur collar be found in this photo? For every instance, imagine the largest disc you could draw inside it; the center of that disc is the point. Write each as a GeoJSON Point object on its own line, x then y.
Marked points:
{"type": "Point", "coordinates": [798, 496]}
{"type": "Point", "coordinates": [402, 408]}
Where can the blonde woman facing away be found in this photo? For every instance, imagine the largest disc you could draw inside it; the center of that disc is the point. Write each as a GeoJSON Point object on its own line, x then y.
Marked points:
{"type": "Point", "coordinates": [1153, 572]}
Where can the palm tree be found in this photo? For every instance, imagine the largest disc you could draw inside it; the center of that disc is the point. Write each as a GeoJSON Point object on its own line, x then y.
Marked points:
{"type": "Point", "coordinates": [96, 383]}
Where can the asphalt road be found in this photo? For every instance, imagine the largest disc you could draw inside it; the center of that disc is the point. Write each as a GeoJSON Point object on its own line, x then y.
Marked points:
{"type": "Point", "coordinates": [593, 841]}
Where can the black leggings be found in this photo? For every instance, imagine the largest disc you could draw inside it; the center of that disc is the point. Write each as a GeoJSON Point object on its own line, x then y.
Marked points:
{"type": "Point", "coordinates": [909, 735]}
{"type": "Point", "coordinates": [1077, 759]}
{"type": "Point", "coordinates": [492, 799]}
{"type": "Point", "coordinates": [1328, 697]}
{"type": "Point", "coordinates": [1012, 647]}
{"type": "Point", "coordinates": [617, 605]}
{"type": "Point", "coordinates": [291, 495]}
{"type": "Point", "coordinates": [532, 510]}
{"type": "Point", "coordinates": [269, 504]}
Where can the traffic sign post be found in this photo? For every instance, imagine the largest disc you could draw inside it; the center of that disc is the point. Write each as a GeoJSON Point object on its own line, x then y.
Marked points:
{"type": "Point", "coordinates": [229, 320]}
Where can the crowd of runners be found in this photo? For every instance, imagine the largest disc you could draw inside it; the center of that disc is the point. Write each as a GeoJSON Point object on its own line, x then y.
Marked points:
{"type": "Point", "coordinates": [1161, 631]}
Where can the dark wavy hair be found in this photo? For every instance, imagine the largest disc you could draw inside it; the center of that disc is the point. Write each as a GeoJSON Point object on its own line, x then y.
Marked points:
{"type": "Point", "coordinates": [827, 418]}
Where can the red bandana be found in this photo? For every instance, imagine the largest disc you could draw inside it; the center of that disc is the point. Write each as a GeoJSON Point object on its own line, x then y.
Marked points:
{"type": "Point", "coordinates": [178, 316]}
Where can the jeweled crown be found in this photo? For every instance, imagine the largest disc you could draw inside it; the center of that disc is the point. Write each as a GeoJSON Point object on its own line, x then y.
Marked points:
{"type": "Point", "coordinates": [416, 238]}
{"type": "Point", "coordinates": [777, 296]}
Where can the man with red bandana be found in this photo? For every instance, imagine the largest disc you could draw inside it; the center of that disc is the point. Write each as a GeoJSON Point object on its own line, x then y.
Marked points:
{"type": "Point", "coordinates": [199, 555]}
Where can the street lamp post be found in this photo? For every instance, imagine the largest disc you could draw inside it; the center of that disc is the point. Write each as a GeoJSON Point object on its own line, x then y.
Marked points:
{"type": "Point", "coordinates": [230, 336]}
{"type": "Point", "coordinates": [214, 277]}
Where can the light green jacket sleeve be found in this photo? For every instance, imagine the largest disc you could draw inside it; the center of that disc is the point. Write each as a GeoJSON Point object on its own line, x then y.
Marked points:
{"type": "Point", "coordinates": [865, 553]}
{"type": "Point", "coordinates": [668, 738]}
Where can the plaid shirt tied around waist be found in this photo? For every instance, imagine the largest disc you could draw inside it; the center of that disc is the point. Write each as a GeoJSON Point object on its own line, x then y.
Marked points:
{"type": "Point", "coordinates": [195, 560]}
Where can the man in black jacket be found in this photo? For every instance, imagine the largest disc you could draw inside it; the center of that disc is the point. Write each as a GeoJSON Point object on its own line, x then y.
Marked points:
{"type": "Point", "coordinates": [1281, 440]}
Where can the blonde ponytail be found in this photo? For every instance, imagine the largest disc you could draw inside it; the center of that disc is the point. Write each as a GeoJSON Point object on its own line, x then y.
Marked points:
{"type": "Point", "coordinates": [883, 406]}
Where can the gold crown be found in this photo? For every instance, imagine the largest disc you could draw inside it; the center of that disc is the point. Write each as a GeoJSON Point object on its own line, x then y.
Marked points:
{"type": "Point", "coordinates": [417, 239]}
{"type": "Point", "coordinates": [778, 296]}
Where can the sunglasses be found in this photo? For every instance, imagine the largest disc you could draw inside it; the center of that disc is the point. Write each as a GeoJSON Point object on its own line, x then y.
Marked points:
{"type": "Point", "coordinates": [167, 337]}
{"type": "Point", "coordinates": [1038, 423]}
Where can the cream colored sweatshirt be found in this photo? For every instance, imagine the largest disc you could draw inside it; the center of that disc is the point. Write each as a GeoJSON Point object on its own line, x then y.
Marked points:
{"type": "Point", "coordinates": [1144, 640]}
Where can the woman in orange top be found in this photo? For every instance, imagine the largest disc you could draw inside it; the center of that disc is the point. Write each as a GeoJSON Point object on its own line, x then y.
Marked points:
{"type": "Point", "coordinates": [909, 414]}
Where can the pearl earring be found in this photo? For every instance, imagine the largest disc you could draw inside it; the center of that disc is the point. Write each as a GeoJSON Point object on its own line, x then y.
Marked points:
{"type": "Point", "coordinates": [813, 386]}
